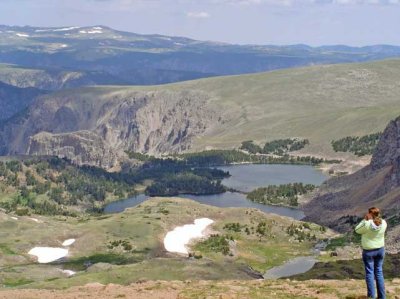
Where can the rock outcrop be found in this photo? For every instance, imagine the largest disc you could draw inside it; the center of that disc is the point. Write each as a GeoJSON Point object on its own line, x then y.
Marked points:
{"type": "Point", "coordinates": [96, 127]}
{"type": "Point", "coordinates": [378, 184]}
{"type": "Point", "coordinates": [82, 147]}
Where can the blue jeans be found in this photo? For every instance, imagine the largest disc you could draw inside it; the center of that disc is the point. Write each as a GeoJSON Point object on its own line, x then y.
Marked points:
{"type": "Point", "coordinates": [373, 262]}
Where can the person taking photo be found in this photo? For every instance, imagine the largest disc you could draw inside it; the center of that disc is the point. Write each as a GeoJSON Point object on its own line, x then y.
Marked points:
{"type": "Point", "coordinates": [372, 230]}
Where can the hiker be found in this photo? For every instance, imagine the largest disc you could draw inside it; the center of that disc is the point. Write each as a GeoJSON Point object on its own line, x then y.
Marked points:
{"type": "Point", "coordinates": [372, 230]}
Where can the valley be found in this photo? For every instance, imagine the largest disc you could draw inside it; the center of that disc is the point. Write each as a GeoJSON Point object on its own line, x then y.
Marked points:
{"type": "Point", "coordinates": [213, 113]}
{"type": "Point", "coordinates": [157, 166]}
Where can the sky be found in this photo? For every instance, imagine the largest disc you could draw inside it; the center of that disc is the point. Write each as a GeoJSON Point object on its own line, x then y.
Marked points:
{"type": "Point", "coordinates": [279, 22]}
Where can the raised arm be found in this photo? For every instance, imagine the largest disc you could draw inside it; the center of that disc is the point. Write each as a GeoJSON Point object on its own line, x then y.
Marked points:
{"type": "Point", "coordinates": [363, 227]}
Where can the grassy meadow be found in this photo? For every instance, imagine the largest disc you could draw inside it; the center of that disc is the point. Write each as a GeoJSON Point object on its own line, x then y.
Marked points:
{"type": "Point", "coordinates": [143, 228]}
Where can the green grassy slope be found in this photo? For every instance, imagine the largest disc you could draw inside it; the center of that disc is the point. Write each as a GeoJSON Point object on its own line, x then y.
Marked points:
{"type": "Point", "coordinates": [320, 103]}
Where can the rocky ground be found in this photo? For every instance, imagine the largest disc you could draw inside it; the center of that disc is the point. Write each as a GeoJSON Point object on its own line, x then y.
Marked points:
{"type": "Point", "coordinates": [323, 289]}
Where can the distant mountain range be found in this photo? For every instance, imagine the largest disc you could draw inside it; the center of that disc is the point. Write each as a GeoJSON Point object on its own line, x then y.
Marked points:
{"type": "Point", "coordinates": [102, 55]}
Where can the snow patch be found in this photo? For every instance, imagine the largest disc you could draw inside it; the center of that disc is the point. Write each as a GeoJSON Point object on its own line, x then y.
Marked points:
{"type": "Point", "coordinates": [65, 29]}
{"type": "Point", "coordinates": [48, 254]}
{"type": "Point", "coordinates": [22, 34]}
{"type": "Point", "coordinates": [98, 28]}
{"type": "Point", "coordinates": [68, 272]}
{"type": "Point", "coordinates": [177, 239]}
{"type": "Point", "coordinates": [68, 242]}
{"type": "Point", "coordinates": [90, 31]}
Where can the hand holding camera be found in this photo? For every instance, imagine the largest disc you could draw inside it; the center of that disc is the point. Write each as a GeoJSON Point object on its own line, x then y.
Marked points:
{"type": "Point", "coordinates": [368, 216]}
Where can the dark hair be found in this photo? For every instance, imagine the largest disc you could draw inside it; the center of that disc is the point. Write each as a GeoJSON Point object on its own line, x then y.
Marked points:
{"type": "Point", "coordinates": [376, 215]}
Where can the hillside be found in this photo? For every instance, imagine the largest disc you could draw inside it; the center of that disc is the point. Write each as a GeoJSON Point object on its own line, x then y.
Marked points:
{"type": "Point", "coordinates": [97, 125]}
{"type": "Point", "coordinates": [105, 55]}
{"type": "Point", "coordinates": [344, 200]}
{"type": "Point", "coordinates": [51, 186]}
{"type": "Point", "coordinates": [319, 103]}
{"type": "Point", "coordinates": [54, 79]}
{"type": "Point", "coordinates": [128, 247]}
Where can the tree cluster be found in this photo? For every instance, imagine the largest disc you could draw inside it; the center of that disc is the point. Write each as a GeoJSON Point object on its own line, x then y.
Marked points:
{"type": "Point", "coordinates": [61, 183]}
{"type": "Point", "coordinates": [286, 194]}
{"type": "Point", "coordinates": [215, 243]}
{"type": "Point", "coordinates": [300, 232]}
{"type": "Point", "coordinates": [276, 147]}
{"type": "Point", "coordinates": [226, 157]}
{"type": "Point", "coordinates": [185, 183]}
{"type": "Point", "coordinates": [360, 146]}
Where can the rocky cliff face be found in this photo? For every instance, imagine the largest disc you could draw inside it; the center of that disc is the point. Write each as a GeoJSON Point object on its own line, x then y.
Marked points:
{"type": "Point", "coordinates": [387, 152]}
{"type": "Point", "coordinates": [95, 127]}
{"type": "Point", "coordinates": [13, 99]}
{"type": "Point", "coordinates": [378, 184]}
{"type": "Point", "coordinates": [82, 147]}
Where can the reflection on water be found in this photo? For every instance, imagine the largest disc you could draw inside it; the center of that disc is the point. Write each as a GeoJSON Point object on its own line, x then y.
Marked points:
{"type": "Point", "coordinates": [295, 266]}
{"type": "Point", "coordinates": [121, 205]}
{"type": "Point", "coordinates": [248, 177]}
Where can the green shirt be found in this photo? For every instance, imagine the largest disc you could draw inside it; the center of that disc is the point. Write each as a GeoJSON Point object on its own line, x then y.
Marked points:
{"type": "Point", "coordinates": [372, 236]}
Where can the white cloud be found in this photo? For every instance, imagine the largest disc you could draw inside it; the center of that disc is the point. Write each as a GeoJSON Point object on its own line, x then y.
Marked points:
{"type": "Point", "coordinates": [198, 15]}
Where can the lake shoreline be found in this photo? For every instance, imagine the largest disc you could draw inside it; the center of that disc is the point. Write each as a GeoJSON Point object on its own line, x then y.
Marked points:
{"type": "Point", "coordinates": [243, 176]}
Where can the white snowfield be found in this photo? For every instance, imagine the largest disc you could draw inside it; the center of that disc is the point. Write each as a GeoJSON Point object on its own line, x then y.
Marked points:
{"type": "Point", "coordinates": [57, 30]}
{"type": "Point", "coordinates": [22, 34]}
{"type": "Point", "coordinates": [48, 254]}
{"type": "Point", "coordinates": [68, 272]}
{"type": "Point", "coordinates": [68, 242]}
{"type": "Point", "coordinates": [177, 239]}
{"type": "Point", "coordinates": [65, 29]}
{"type": "Point", "coordinates": [90, 31]}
